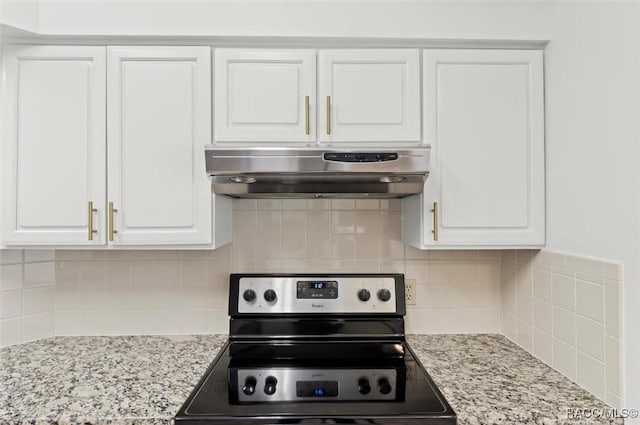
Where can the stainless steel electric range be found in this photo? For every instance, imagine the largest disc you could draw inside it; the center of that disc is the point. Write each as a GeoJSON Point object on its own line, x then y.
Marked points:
{"type": "Point", "coordinates": [316, 348]}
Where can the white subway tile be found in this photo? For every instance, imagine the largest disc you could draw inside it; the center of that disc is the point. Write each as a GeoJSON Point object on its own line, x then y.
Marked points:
{"type": "Point", "coordinates": [525, 307]}
{"type": "Point", "coordinates": [524, 334]}
{"type": "Point", "coordinates": [10, 256]}
{"type": "Point", "coordinates": [269, 204]}
{"type": "Point", "coordinates": [244, 204]}
{"type": "Point", "coordinates": [543, 315]}
{"type": "Point", "coordinates": [293, 205]}
{"type": "Point", "coordinates": [564, 292]}
{"type": "Point", "coordinates": [32, 255]}
{"type": "Point", "coordinates": [543, 346]}
{"type": "Point", "coordinates": [10, 277]}
{"type": "Point", "coordinates": [39, 274]}
{"type": "Point", "coordinates": [590, 300]}
{"type": "Point", "coordinates": [343, 221]}
{"type": "Point", "coordinates": [564, 359]}
{"type": "Point", "coordinates": [343, 246]}
{"type": "Point", "coordinates": [294, 222]}
{"type": "Point", "coordinates": [542, 285]}
{"type": "Point", "coordinates": [590, 337]}
{"type": "Point", "coordinates": [193, 321]}
{"type": "Point", "coordinates": [369, 222]}
{"type": "Point", "coordinates": [38, 326]}
{"type": "Point", "coordinates": [590, 374]}
{"type": "Point", "coordinates": [294, 245]}
{"type": "Point", "coordinates": [10, 331]}
{"type": "Point", "coordinates": [10, 304]}
{"type": "Point", "coordinates": [564, 325]}
{"type": "Point", "coordinates": [93, 322]}
{"type": "Point", "coordinates": [367, 204]}
{"type": "Point", "coordinates": [367, 247]}
{"type": "Point", "coordinates": [38, 300]}
{"type": "Point", "coordinates": [488, 320]}
{"type": "Point", "coordinates": [67, 323]}
{"type": "Point", "coordinates": [343, 204]}
{"type": "Point", "coordinates": [68, 272]}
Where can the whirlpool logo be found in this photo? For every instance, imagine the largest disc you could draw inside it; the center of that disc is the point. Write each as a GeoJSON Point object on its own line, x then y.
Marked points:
{"type": "Point", "coordinates": [317, 305]}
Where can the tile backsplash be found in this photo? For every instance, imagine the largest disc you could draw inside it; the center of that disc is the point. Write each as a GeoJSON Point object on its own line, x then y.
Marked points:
{"type": "Point", "coordinates": [27, 285]}
{"type": "Point", "coordinates": [565, 311]}
{"type": "Point", "coordinates": [160, 292]}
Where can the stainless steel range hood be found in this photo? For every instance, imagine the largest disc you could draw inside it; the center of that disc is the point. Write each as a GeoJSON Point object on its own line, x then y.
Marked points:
{"type": "Point", "coordinates": [317, 173]}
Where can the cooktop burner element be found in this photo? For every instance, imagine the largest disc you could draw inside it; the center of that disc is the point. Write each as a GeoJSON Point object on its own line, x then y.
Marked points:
{"type": "Point", "coordinates": [321, 348]}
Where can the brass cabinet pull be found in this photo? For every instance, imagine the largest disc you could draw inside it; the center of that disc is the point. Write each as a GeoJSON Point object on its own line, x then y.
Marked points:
{"type": "Point", "coordinates": [435, 221]}
{"type": "Point", "coordinates": [307, 127]}
{"type": "Point", "coordinates": [112, 230]}
{"type": "Point", "coordinates": [90, 212]}
{"type": "Point", "coordinates": [328, 114]}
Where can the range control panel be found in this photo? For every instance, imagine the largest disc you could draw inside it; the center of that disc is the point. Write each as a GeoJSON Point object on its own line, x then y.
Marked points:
{"type": "Point", "coordinates": [304, 294]}
{"type": "Point", "coordinates": [302, 384]}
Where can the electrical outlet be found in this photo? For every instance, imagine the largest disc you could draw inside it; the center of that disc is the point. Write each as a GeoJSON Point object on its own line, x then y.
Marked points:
{"type": "Point", "coordinates": [410, 291]}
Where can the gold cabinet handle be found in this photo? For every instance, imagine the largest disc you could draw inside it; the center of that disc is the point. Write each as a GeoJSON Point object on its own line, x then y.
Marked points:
{"type": "Point", "coordinates": [435, 221]}
{"type": "Point", "coordinates": [307, 127]}
{"type": "Point", "coordinates": [90, 228]}
{"type": "Point", "coordinates": [112, 230]}
{"type": "Point", "coordinates": [328, 114]}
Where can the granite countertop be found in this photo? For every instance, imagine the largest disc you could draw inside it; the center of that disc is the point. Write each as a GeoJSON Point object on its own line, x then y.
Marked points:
{"type": "Point", "coordinates": [145, 379]}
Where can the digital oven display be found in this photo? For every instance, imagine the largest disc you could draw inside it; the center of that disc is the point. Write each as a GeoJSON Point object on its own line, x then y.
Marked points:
{"type": "Point", "coordinates": [310, 289]}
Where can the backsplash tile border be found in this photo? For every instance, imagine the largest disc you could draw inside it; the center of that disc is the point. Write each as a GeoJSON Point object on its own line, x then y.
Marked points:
{"type": "Point", "coordinates": [581, 339]}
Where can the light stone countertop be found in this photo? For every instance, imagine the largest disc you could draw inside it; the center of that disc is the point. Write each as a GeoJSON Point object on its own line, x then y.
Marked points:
{"type": "Point", "coordinates": [145, 379]}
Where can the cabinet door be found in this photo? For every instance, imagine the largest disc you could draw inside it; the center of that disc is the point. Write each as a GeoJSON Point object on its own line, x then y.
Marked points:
{"type": "Point", "coordinates": [484, 121]}
{"type": "Point", "coordinates": [369, 95]}
{"type": "Point", "coordinates": [53, 152]}
{"type": "Point", "coordinates": [159, 120]}
{"type": "Point", "coordinates": [265, 95]}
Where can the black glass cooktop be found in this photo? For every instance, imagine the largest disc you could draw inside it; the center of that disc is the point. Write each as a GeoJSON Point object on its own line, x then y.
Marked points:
{"type": "Point", "coordinates": [280, 382]}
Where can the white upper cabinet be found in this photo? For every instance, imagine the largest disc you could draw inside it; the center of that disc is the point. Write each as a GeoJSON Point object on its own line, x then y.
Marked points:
{"type": "Point", "coordinates": [53, 150]}
{"type": "Point", "coordinates": [484, 119]}
{"type": "Point", "coordinates": [159, 120]}
{"type": "Point", "coordinates": [364, 95]}
{"type": "Point", "coordinates": [265, 95]}
{"type": "Point", "coordinates": [369, 95]}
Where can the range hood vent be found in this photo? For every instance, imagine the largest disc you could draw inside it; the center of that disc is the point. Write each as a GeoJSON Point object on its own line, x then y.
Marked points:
{"type": "Point", "coordinates": [316, 173]}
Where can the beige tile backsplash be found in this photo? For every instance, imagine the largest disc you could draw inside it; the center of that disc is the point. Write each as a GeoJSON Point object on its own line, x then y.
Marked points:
{"type": "Point", "coordinates": [27, 294]}
{"type": "Point", "coordinates": [565, 310]}
{"type": "Point", "coordinates": [134, 292]}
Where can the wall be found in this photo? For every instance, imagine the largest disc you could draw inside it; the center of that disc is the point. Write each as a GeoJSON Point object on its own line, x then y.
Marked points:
{"type": "Point", "coordinates": [27, 285]}
{"type": "Point", "coordinates": [147, 292]}
{"type": "Point", "coordinates": [592, 109]}
{"type": "Point", "coordinates": [565, 311]}
{"type": "Point", "coordinates": [311, 18]}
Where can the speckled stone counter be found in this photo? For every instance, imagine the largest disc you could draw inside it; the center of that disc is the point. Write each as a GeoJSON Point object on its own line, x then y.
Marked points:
{"type": "Point", "coordinates": [145, 379]}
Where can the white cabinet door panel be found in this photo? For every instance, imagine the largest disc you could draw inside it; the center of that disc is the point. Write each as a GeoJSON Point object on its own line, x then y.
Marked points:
{"type": "Point", "coordinates": [53, 157]}
{"type": "Point", "coordinates": [374, 95]}
{"type": "Point", "coordinates": [158, 124]}
{"type": "Point", "coordinates": [484, 121]}
{"type": "Point", "coordinates": [260, 95]}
